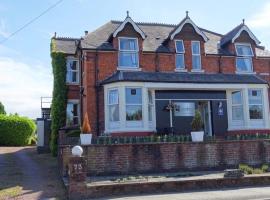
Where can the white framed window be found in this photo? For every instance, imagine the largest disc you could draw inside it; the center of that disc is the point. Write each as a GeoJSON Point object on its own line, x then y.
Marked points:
{"type": "Point", "coordinates": [128, 56]}
{"type": "Point", "coordinates": [133, 104]}
{"type": "Point", "coordinates": [72, 113]}
{"type": "Point", "coordinates": [72, 75]}
{"type": "Point", "coordinates": [255, 101]}
{"type": "Point", "coordinates": [244, 57]}
{"type": "Point", "coordinates": [184, 109]}
{"type": "Point", "coordinates": [180, 54]}
{"type": "Point", "coordinates": [150, 106]}
{"type": "Point", "coordinates": [196, 55]}
{"type": "Point", "coordinates": [113, 105]}
{"type": "Point", "coordinates": [237, 106]}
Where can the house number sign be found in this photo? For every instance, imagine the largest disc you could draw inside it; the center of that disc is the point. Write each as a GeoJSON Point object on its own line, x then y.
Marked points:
{"type": "Point", "coordinates": [77, 168]}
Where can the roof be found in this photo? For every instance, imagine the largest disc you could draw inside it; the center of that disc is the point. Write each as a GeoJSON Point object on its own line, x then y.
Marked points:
{"type": "Point", "coordinates": [173, 77]}
{"type": "Point", "coordinates": [156, 35]}
{"type": "Point", "coordinates": [66, 45]}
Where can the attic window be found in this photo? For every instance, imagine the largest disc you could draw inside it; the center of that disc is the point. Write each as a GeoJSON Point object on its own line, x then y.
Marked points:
{"type": "Point", "coordinates": [244, 58]}
{"type": "Point", "coordinates": [128, 53]}
{"type": "Point", "coordinates": [179, 57]}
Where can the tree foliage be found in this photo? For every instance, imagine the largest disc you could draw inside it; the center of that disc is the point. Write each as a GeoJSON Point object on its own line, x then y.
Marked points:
{"type": "Point", "coordinates": [58, 109]}
{"type": "Point", "coordinates": [2, 109]}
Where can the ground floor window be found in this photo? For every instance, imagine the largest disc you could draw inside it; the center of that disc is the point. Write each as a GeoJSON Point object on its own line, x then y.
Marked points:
{"type": "Point", "coordinates": [133, 104]}
{"type": "Point", "coordinates": [237, 105]}
{"type": "Point", "coordinates": [150, 106]}
{"type": "Point", "coordinates": [255, 104]}
{"type": "Point", "coordinates": [113, 105]}
{"type": "Point", "coordinates": [72, 113]}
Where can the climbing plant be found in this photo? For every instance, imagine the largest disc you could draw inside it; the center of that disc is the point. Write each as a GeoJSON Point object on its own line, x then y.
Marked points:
{"type": "Point", "coordinates": [2, 109]}
{"type": "Point", "coordinates": [58, 108]}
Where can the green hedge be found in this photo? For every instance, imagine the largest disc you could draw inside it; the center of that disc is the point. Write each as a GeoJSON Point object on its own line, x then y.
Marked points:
{"type": "Point", "coordinates": [16, 130]}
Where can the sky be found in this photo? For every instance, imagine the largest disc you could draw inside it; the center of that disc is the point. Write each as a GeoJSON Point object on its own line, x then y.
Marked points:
{"type": "Point", "coordinates": [25, 64]}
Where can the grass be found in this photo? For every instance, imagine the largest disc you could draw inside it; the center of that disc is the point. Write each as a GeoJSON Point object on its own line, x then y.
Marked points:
{"type": "Point", "coordinates": [10, 193]}
{"type": "Point", "coordinates": [250, 170]}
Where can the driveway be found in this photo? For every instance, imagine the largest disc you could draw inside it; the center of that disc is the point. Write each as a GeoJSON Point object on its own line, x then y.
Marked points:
{"type": "Point", "coordinates": [26, 175]}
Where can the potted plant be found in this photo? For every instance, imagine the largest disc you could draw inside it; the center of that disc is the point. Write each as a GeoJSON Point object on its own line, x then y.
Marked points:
{"type": "Point", "coordinates": [197, 127]}
{"type": "Point", "coordinates": [86, 135]}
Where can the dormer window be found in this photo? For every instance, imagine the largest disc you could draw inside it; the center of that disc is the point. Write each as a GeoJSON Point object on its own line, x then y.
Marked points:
{"type": "Point", "coordinates": [196, 55]}
{"type": "Point", "coordinates": [244, 58]}
{"type": "Point", "coordinates": [180, 52]}
{"type": "Point", "coordinates": [128, 53]}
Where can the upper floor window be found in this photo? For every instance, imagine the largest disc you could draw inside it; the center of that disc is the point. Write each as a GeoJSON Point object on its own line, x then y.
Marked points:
{"type": "Point", "coordinates": [128, 53]}
{"type": "Point", "coordinates": [72, 75]}
{"type": "Point", "coordinates": [244, 58]}
{"type": "Point", "coordinates": [196, 55]}
{"type": "Point", "coordinates": [180, 50]}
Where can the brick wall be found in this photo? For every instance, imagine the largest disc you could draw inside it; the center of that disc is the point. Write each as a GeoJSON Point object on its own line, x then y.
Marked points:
{"type": "Point", "coordinates": [165, 157]}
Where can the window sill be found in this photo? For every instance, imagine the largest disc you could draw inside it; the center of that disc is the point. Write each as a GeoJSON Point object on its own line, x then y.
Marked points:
{"type": "Point", "coordinates": [197, 70]}
{"type": "Point", "coordinates": [129, 69]}
{"type": "Point", "coordinates": [180, 70]}
{"type": "Point", "coordinates": [237, 72]}
{"type": "Point", "coordinates": [72, 83]}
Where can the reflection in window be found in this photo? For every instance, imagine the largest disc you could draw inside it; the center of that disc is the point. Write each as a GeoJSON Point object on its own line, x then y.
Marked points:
{"type": "Point", "coordinates": [237, 106]}
{"type": "Point", "coordinates": [72, 114]}
{"type": "Point", "coordinates": [244, 58]}
{"type": "Point", "coordinates": [180, 50]}
{"type": "Point", "coordinates": [184, 109]}
{"type": "Point", "coordinates": [133, 104]}
{"type": "Point", "coordinates": [255, 104]}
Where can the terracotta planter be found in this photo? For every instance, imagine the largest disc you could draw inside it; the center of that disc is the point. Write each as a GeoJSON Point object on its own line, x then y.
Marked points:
{"type": "Point", "coordinates": [197, 136]}
{"type": "Point", "coordinates": [85, 138]}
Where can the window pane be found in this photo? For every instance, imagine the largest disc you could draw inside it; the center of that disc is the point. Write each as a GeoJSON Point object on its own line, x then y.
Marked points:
{"type": "Point", "coordinates": [71, 65]}
{"type": "Point", "coordinates": [196, 62]}
{"type": "Point", "coordinates": [180, 63]}
{"type": "Point", "coordinates": [184, 109]}
{"type": "Point", "coordinates": [236, 97]}
{"type": "Point", "coordinates": [195, 48]}
{"type": "Point", "coordinates": [255, 96]}
{"type": "Point", "coordinates": [255, 112]}
{"type": "Point", "coordinates": [237, 113]}
{"type": "Point", "coordinates": [133, 113]}
{"type": "Point", "coordinates": [75, 110]}
{"type": "Point", "coordinates": [75, 120]}
{"type": "Point", "coordinates": [114, 113]}
{"type": "Point", "coordinates": [244, 64]}
{"type": "Point", "coordinates": [179, 47]}
{"type": "Point", "coordinates": [69, 113]}
{"type": "Point", "coordinates": [128, 44]}
{"type": "Point", "coordinates": [133, 96]}
{"type": "Point", "coordinates": [113, 97]}
{"type": "Point", "coordinates": [128, 59]}
{"type": "Point", "coordinates": [69, 77]}
{"type": "Point", "coordinates": [150, 97]}
{"type": "Point", "coordinates": [74, 77]}
{"type": "Point", "coordinates": [150, 112]}
{"type": "Point", "coordinates": [243, 50]}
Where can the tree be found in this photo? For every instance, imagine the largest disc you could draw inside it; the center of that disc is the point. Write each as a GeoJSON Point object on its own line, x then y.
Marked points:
{"type": "Point", "coordinates": [2, 109]}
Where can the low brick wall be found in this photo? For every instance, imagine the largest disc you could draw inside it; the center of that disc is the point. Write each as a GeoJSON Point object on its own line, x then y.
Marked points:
{"type": "Point", "coordinates": [169, 157]}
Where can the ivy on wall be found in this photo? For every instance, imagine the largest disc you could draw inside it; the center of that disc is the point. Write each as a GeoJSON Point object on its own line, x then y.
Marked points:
{"type": "Point", "coordinates": [58, 108]}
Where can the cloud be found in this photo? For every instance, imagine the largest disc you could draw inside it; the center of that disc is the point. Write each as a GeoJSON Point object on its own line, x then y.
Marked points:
{"type": "Point", "coordinates": [3, 29]}
{"type": "Point", "coordinates": [22, 85]}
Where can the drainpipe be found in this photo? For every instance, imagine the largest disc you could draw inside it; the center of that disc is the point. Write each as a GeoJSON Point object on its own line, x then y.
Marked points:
{"type": "Point", "coordinates": [97, 89]}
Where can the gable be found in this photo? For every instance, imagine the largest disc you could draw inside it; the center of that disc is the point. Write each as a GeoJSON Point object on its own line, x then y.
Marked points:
{"type": "Point", "coordinates": [244, 37]}
{"type": "Point", "coordinates": [188, 33]}
{"type": "Point", "coordinates": [129, 31]}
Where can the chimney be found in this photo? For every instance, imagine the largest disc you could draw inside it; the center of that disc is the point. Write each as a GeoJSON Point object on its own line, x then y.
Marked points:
{"type": "Point", "coordinates": [85, 32]}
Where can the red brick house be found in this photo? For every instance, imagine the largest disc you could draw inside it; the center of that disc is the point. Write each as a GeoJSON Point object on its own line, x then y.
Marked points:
{"type": "Point", "coordinates": [142, 78]}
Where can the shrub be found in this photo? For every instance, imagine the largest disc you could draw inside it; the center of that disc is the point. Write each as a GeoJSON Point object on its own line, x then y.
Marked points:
{"type": "Point", "coordinates": [16, 130]}
{"type": "Point", "coordinates": [265, 167]}
{"type": "Point", "coordinates": [197, 123]}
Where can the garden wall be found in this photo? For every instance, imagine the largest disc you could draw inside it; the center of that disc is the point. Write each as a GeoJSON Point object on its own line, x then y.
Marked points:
{"type": "Point", "coordinates": [166, 157]}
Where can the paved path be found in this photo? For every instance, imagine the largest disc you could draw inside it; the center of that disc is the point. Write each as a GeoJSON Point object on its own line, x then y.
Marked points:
{"type": "Point", "coordinates": [249, 193]}
{"type": "Point", "coordinates": [35, 174]}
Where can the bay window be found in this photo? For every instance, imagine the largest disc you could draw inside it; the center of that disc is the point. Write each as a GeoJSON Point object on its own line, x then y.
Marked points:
{"type": "Point", "coordinates": [72, 113]}
{"type": "Point", "coordinates": [244, 58]}
{"type": "Point", "coordinates": [113, 105]}
{"type": "Point", "coordinates": [72, 75]}
{"type": "Point", "coordinates": [128, 53]}
{"type": "Point", "coordinates": [237, 106]}
{"type": "Point", "coordinates": [150, 106]}
{"type": "Point", "coordinates": [179, 57]}
{"type": "Point", "coordinates": [255, 104]}
{"type": "Point", "coordinates": [196, 55]}
{"type": "Point", "coordinates": [133, 104]}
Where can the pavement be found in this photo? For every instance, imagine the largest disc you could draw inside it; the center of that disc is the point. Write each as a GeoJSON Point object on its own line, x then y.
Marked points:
{"type": "Point", "coordinates": [247, 193]}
